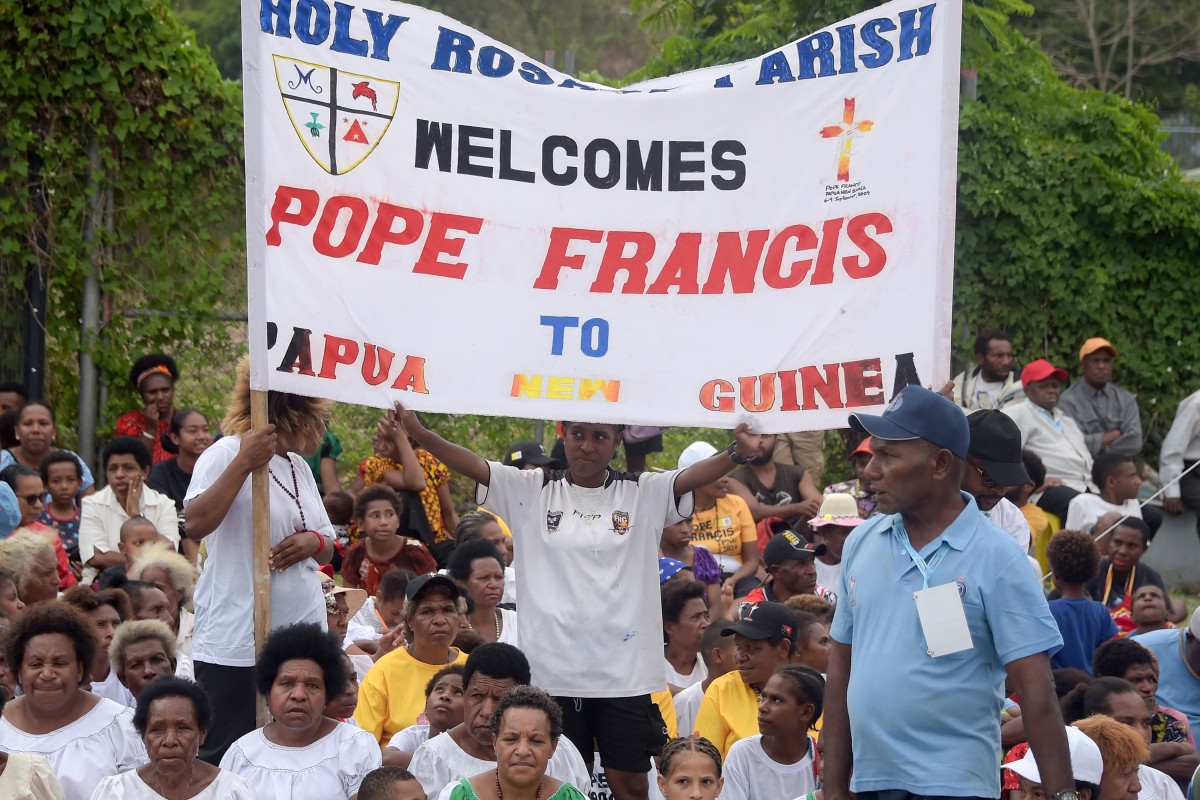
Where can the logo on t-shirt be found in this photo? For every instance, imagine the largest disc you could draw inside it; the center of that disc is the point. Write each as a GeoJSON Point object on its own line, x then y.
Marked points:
{"type": "Point", "coordinates": [553, 518]}
{"type": "Point", "coordinates": [620, 521]}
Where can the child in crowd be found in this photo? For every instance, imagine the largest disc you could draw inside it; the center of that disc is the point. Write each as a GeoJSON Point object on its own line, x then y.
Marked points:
{"type": "Point", "coordinates": [812, 642]}
{"type": "Point", "coordinates": [690, 769]}
{"type": "Point", "coordinates": [340, 508]}
{"type": "Point", "coordinates": [390, 783]}
{"type": "Point", "coordinates": [377, 513]}
{"type": "Point", "coordinates": [1151, 608]}
{"type": "Point", "coordinates": [62, 475]}
{"type": "Point", "coordinates": [443, 710]}
{"type": "Point", "coordinates": [1121, 573]}
{"type": "Point", "coordinates": [382, 614]}
{"type": "Point", "coordinates": [676, 543]}
{"type": "Point", "coordinates": [136, 533]}
{"type": "Point", "coordinates": [1087, 768]}
{"type": "Point", "coordinates": [29, 489]}
{"type": "Point", "coordinates": [1083, 623]}
{"type": "Point", "coordinates": [716, 650]}
{"type": "Point", "coordinates": [819, 607]}
{"type": "Point", "coordinates": [780, 763]}
{"type": "Point", "coordinates": [341, 707]}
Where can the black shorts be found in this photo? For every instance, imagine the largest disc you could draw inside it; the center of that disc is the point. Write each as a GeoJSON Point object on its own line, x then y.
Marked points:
{"type": "Point", "coordinates": [626, 731]}
{"type": "Point", "coordinates": [644, 448]}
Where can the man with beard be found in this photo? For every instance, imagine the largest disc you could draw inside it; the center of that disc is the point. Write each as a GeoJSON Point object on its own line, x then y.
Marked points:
{"type": "Point", "coordinates": [772, 489]}
{"type": "Point", "coordinates": [993, 469]}
{"type": "Point", "coordinates": [991, 383]}
{"type": "Point", "coordinates": [791, 570]}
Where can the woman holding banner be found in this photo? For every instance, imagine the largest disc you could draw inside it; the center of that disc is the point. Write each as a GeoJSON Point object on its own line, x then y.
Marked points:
{"type": "Point", "coordinates": [590, 536]}
{"type": "Point", "coordinates": [217, 509]}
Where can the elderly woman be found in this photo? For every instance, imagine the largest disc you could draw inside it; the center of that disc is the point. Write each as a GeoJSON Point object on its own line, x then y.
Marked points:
{"type": "Point", "coordinates": [143, 651]}
{"type": "Point", "coordinates": [340, 605]}
{"type": "Point", "coordinates": [301, 752]}
{"type": "Point", "coordinates": [172, 718]}
{"type": "Point", "coordinates": [390, 698]}
{"type": "Point", "coordinates": [153, 377]}
{"type": "Point", "coordinates": [84, 737]}
{"type": "Point", "coordinates": [527, 724]}
{"type": "Point", "coordinates": [30, 490]}
{"type": "Point", "coordinates": [31, 559]}
{"type": "Point", "coordinates": [218, 510]}
{"type": "Point", "coordinates": [479, 567]}
{"type": "Point", "coordinates": [35, 436]}
{"type": "Point", "coordinates": [11, 604]}
{"type": "Point", "coordinates": [175, 577]}
{"type": "Point", "coordinates": [108, 609]}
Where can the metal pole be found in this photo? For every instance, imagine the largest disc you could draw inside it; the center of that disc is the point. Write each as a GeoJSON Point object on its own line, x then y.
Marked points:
{"type": "Point", "coordinates": [88, 409]}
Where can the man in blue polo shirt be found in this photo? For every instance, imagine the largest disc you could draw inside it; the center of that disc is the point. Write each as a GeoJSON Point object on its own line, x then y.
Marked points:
{"type": "Point", "coordinates": [1178, 654]}
{"type": "Point", "coordinates": [935, 605]}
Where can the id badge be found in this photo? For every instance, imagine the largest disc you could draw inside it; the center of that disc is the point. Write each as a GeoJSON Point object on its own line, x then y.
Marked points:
{"type": "Point", "coordinates": [943, 620]}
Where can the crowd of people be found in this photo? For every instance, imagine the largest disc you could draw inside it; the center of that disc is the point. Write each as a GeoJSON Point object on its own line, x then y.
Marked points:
{"type": "Point", "coordinates": [965, 613]}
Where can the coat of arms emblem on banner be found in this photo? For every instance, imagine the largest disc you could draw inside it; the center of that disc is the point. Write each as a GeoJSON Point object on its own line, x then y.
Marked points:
{"type": "Point", "coordinates": [339, 116]}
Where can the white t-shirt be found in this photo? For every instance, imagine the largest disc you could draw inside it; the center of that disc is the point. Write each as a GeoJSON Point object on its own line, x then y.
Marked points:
{"type": "Point", "coordinates": [595, 554]}
{"type": "Point", "coordinates": [128, 786]}
{"type": "Point", "coordinates": [440, 763]}
{"type": "Point", "coordinates": [510, 586]}
{"type": "Point", "coordinates": [687, 706]}
{"type": "Point", "coordinates": [114, 690]}
{"type": "Point", "coordinates": [1157, 785]}
{"type": "Point", "coordinates": [699, 673]}
{"type": "Point", "coordinates": [409, 739]}
{"type": "Point", "coordinates": [224, 601]}
{"type": "Point", "coordinates": [331, 768]}
{"type": "Point", "coordinates": [1086, 510]}
{"type": "Point", "coordinates": [828, 575]}
{"type": "Point", "coordinates": [991, 390]}
{"type": "Point", "coordinates": [509, 627]}
{"type": "Point", "coordinates": [750, 774]}
{"type": "Point", "coordinates": [100, 743]}
{"type": "Point", "coordinates": [1007, 516]}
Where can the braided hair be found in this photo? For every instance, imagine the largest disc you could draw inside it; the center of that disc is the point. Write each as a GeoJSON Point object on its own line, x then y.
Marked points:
{"type": "Point", "coordinates": [687, 744]}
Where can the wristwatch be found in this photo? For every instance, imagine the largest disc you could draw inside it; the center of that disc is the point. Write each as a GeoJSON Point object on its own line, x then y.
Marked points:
{"type": "Point", "coordinates": [1065, 794]}
{"type": "Point", "coordinates": [735, 458]}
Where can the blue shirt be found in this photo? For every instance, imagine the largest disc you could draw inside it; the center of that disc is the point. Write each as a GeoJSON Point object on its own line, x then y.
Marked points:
{"type": "Point", "coordinates": [1085, 625]}
{"type": "Point", "coordinates": [901, 701]}
{"type": "Point", "coordinates": [1178, 686]}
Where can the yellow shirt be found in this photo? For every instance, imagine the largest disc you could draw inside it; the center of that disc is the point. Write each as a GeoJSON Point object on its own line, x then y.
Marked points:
{"type": "Point", "coordinates": [666, 707]}
{"type": "Point", "coordinates": [392, 695]}
{"type": "Point", "coordinates": [725, 527]}
{"type": "Point", "coordinates": [728, 712]}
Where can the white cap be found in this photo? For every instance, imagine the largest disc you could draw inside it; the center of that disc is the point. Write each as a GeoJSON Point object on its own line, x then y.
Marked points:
{"type": "Point", "coordinates": [694, 453]}
{"type": "Point", "coordinates": [1194, 625]}
{"type": "Point", "coordinates": [1087, 764]}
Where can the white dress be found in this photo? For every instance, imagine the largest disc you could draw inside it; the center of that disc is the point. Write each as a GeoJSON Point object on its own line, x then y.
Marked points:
{"type": "Point", "coordinates": [114, 690]}
{"type": "Point", "coordinates": [331, 768]}
{"type": "Point", "coordinates": [409, 739]}
{"type": "Point", "coordinates": [440, 762]}
{"type": "Point", "coordinates": [100, 743]}
{"type": "Point", "coordinates": [29, 777]}
{"type": "Point", "coordinates": [130, 786]}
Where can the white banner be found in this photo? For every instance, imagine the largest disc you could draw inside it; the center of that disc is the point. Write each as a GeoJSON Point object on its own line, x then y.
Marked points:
{"type": "Point", "coordinates": [437, 218]}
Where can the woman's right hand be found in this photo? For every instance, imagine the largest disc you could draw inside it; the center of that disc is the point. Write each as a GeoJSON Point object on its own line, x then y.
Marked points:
{"type": "Point", "coordinates": [408, 420]}
{"type": "Point", "coordinates": [258, 447]}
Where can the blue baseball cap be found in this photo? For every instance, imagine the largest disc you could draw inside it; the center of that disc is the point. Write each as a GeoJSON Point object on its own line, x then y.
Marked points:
{"type": "Point", "coordinates": [918, 413]}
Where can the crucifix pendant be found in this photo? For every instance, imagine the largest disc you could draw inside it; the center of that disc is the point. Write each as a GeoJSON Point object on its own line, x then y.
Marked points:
{"type": "Point", "coordinates": [595, 550]}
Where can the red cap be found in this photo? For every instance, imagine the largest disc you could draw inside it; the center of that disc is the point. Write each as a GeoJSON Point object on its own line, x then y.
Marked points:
{"type": "Point", "coordinates": [1040, 370]}
{"type": "Point", "coordinates": [864, 448]}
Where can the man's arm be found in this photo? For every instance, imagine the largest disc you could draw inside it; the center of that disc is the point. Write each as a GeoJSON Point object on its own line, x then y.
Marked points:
{"type": "Point", "coordinates": [838, 756]}
{"type": "Point", "coordinates": [1044, 724]}
{"type": "Point", "coordinates": [761, 511]}
{"type": "Point", "coordinates": [1171, 459]}
{"type": "Point", "coordinates": [1129, 442]}
{"type": "Point", "coordinates": [454, 456]}
{"type": "Point", "coordinates": [1176, 759]}
{"type": "Point", "coordinates": [715, 466]}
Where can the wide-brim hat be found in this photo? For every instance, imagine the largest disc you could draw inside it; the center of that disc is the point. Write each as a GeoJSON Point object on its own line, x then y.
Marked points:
{"type": "Point", "coordinates": [837, 509]}
{"type": "Point", "coordinates": [355, 598]}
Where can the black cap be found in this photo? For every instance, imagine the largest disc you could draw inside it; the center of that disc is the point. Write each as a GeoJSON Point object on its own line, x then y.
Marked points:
{"type": "Point", "coordinates": [432, 580]}
{"type": "Point", "coordinates": [996, 446]}
{"type": "Point", "coordinates": [766, 620]}
{"type": "Point", "coordinates": [529, 452]}
{"type": "Point", "coordinates": [787, 544]}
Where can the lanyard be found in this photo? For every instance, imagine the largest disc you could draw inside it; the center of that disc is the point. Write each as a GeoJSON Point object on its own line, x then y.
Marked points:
{"type": "Point", "coordinates": [926, 568]}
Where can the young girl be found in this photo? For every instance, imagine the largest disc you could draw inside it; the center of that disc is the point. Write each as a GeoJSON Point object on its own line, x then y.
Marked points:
{"type": "Point", "coordinates": [690, 769]}
{"type": "Point", "coordinates": [377, 514]}
{"type": "Point", "coordinates": [443, 710]}
{"type": "Point", "coordinates": [190, 434]}
{"type": "Point", "coordinates": [62, 476]}
{"type": "Point", "coordinates": [676, 543]}
{"type": "Point", "coordinates": [780, 763]}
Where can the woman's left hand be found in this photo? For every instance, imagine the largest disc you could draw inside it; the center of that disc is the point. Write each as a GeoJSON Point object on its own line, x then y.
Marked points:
{"type": "Point", "coordinates": [295, 548]}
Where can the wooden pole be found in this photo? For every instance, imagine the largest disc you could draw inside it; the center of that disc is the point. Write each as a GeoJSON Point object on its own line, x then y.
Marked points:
{"type": "Point", "coordinates": [260, 499]}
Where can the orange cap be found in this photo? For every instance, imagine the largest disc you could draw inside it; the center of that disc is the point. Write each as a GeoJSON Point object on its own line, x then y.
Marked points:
{"type": "Point", "coordinates": [1094, 344]}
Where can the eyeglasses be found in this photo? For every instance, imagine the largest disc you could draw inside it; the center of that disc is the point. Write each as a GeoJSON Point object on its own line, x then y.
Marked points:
{"type": "Point", "coordinates": [32, 499]}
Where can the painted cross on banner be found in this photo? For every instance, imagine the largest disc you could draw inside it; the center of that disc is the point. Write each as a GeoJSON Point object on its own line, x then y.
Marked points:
{"type": "Point", "coordinates": [339, 116]}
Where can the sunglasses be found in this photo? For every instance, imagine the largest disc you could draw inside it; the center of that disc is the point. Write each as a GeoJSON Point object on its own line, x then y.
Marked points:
{"type": "Point", "coordinates": [983, 476]}
{"type": "Point", "coordinates": [32, 499]}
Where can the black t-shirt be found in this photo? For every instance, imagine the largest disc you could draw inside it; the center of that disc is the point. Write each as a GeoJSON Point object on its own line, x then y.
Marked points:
{"type": "Point", "coordinates": [1143, 574]}
{"type": "Point", "coordinates": [168, 478]}
{"type": "Point", "coordinates": [783, 492]}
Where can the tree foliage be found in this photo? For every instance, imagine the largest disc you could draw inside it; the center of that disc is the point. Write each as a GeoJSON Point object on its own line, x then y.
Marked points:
{"type": "Point", "coordinates": [124, 125]}
{"type": "Point", "coordinates": [1072, 222]}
